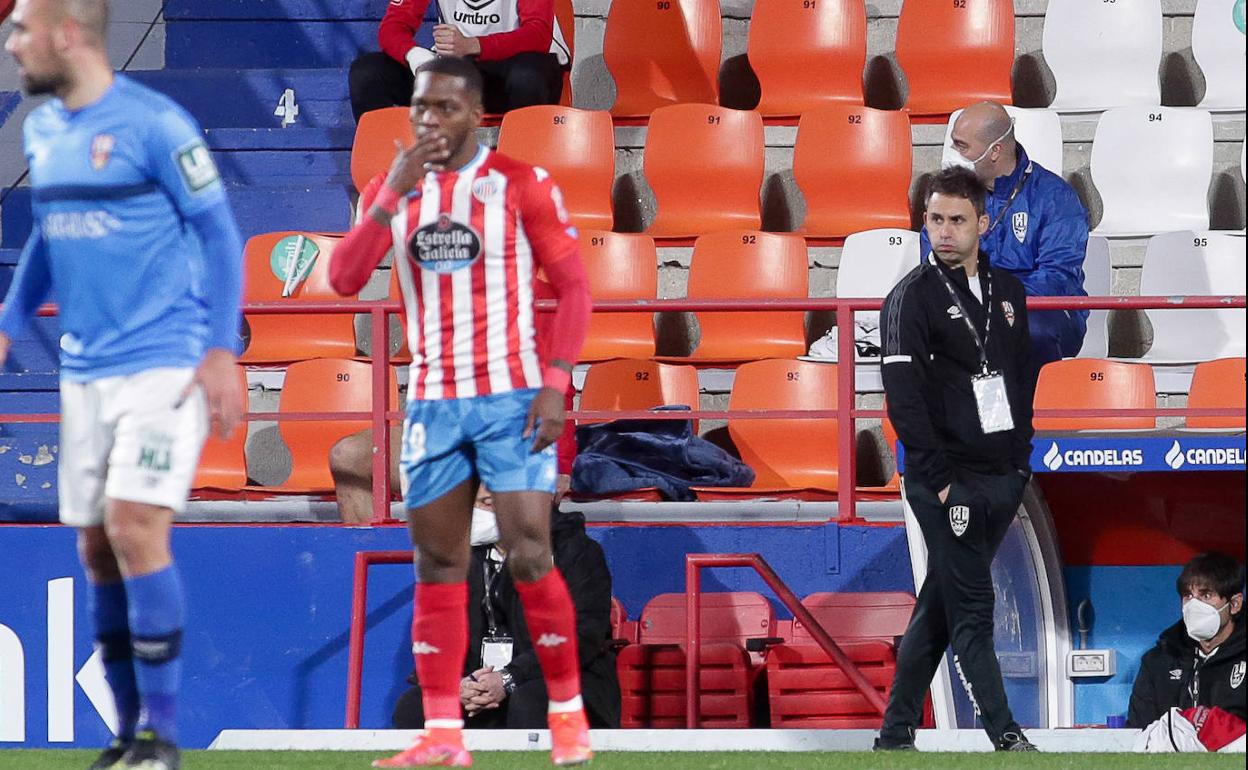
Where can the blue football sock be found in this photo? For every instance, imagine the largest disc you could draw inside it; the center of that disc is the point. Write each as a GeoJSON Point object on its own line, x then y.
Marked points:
{"type": "Point", "coordinates": [112, 638]}
{"type": "Point", "coordinates": [157, 613]}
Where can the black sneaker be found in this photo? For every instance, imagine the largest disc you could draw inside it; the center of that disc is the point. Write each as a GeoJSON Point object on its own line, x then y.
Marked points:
{"type": "Point", "coordinates": [111, 756]}
{"type": "Point", "coordinates": [1014, 740]}
{"type": "Point", "coordinates": [150, 752]}
{"type": "Point", "coordinates": [894, 744]}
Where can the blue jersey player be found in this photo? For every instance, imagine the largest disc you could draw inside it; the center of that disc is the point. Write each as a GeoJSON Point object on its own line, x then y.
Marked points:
{"type": "Point", "coordinates": [134, 239]}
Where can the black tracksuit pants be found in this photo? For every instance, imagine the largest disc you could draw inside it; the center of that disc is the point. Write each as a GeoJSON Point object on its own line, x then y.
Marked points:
{"type": "Point", "coordinates": [526, 79]}
{"type": "Point", "coordinates": [956, 602]}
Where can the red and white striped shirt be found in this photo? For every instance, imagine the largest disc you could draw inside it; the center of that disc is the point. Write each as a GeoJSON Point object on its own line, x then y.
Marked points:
{"type": "Point", "coordinates": [467, 245]}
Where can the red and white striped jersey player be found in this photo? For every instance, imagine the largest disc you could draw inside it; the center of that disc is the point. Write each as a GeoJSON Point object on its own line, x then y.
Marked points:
{"type": "Point", "coordinates": [469, 228]}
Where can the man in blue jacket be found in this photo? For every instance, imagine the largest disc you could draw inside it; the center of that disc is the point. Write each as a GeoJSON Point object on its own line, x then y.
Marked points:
{"type": "Point", "coordinates": [1038, 228]}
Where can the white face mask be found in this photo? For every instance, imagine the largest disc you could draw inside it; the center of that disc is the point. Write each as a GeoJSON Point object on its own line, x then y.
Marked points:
{"type": "Point", "coordinates": [484, 527]}
{"type": "Point", "coordinates": [951, 158]}
{"type": "Point", "coordinates": [1203, 620]}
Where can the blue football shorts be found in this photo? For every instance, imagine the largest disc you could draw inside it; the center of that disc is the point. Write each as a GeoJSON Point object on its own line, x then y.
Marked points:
{"type": "Point", "coordinates": [447, 441]}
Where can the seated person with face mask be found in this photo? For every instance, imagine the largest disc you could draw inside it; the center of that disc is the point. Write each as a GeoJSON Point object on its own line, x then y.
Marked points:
{"type": "Point", "coordinates": [1038, 227]}
{"type": "Point", "coordinates": [1190, 693]}
{"type": "Point", "coordinates": [502, 685]}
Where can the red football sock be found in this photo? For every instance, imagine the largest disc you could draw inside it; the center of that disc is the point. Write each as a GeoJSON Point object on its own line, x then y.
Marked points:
{"type": "Point", "coordinates": [551, 618]}
{"type": "Point", "coordinates": [439, 644]}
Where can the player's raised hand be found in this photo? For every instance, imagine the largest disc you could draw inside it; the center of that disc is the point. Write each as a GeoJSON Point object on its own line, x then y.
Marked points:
{"type": "Point", "coordinates": [546, 418]}
{"type": "Point", "coordinates": [410, 165]}
{"type": "Point", "coordinates": [218, 376]}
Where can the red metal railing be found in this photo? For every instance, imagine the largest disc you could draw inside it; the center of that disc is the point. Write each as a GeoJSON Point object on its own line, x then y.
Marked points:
{"type": "Point", "coordinates": [694, 564]}
{"type": "Point", "coordinates": [846, 412]}
{"type": "Point", "coordinates": [359, 620]}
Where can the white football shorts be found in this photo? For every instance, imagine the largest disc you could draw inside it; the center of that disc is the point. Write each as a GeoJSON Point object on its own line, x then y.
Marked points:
{"type": "Point", "coordinates": [129, 438]}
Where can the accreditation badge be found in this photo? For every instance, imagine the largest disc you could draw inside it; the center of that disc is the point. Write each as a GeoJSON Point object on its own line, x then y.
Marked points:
{"type": "Point", "coordinates": [992, 402]}
{"type": "Point", "coordinates": [496, 652]}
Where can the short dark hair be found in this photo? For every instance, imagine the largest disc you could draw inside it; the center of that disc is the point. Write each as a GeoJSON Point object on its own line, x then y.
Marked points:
{"type": "Point", "coordinates": [958, 182]}
{"type": "Point", "coordinates": [456, 67]}
{"type": "Point", "coordinates": [1215, 571]}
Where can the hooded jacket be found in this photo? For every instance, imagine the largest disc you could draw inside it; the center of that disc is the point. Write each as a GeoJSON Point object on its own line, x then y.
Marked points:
{"type": "Point", "coordinates": [1169, 669]}
{"type": "Point", "coordinates": [1041, 238]}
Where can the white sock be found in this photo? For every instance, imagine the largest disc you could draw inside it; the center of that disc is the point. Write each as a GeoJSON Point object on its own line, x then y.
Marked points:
{"type": "Point", "coordinates": [566, 706]}
{"type": "Point", "coordinates": [444, 724]}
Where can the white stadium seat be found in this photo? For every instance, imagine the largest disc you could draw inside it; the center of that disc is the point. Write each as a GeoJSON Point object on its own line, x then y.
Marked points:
{"type": "Point", "coordinates": [1218, 47]}
{"type": "Point", "coordinates": [1039, 131]}
{"type": "Point", "coordinates": [1103, 54]}
{"type": "Point", "coordinates": [1097, 282]}
{"type": "Point", "coordinates": [1152, 167]}
{"type": "Point", "coordinates": [1202, 262]}
{"type": "Point", "coordinates": [872, 262]}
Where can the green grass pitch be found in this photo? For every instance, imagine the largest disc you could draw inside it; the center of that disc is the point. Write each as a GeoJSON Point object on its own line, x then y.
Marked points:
{"type": "Point", "coordinates": [16, 759]}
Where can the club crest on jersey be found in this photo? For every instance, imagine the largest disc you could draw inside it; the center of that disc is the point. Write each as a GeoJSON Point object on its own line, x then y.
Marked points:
{"type": "Point", "coordinates": [101, 150]}
{"type": "Point", "coordinates": [1008, 309]}
{"type": "Point", "coordinates": [959, 519]}
{"type": "Point", "coordinates": [1237, 675]}
{"type": "Point", "coordinates": [444, 246]}
{"type": "Point", "coordinates": [1019, 221]}
{"type": "Point", "coordinates": [486, 190]}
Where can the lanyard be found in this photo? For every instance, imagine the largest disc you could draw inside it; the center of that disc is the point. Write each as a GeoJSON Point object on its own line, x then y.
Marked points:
{"type": "Point", "coordinates": [1018, 187]}
{"type": "Point", "coordinates": [493, 570]}
{"type": "Point", "coordinates": [986, 281]}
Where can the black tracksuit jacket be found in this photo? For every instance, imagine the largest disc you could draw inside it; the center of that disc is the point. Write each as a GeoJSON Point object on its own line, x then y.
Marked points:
{"type": "Point", "coordinates": [929, 358]}
{"type": "Point", "coordinates": [1168, 669]}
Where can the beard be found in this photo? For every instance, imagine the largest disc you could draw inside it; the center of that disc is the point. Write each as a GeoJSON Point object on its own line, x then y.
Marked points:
{"type": "Point", "coordinates": [38, 85]}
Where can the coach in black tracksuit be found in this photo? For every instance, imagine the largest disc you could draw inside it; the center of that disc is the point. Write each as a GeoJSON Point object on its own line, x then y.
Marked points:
{"type": "Point", "coordinates": [956, 349]}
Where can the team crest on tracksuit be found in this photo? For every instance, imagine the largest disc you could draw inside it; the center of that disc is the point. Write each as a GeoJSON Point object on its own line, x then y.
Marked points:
{"type": "Point", "coordinates": [959, 519]}
{"type": "Point", "coordinates": [1020, 226]}
{"type": "Point", "coordinates": [1237, 675]}
{"type": "Point", "coordinates": [1008, 309]}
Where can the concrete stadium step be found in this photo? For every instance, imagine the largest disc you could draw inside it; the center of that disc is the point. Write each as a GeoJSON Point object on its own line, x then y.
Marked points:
{"type": "Point", "coordinates": [318, 10]}
{"type": "Point", "coordinates": [285, 168]}
{"type": "Point", "coordinates": [236, 97]}
{"type": "Point", "coordinates": [293, 138]}
{"type": "Point", "coordinates": [277, 43]}
{"type": "Point", "coordinates": [312, 209]}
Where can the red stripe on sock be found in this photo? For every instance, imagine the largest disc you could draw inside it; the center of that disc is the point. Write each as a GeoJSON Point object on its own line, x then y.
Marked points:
{"type": "Point", "coordinates": [439, 644]}
{"type": "Point", "coordinates": [551, 619]}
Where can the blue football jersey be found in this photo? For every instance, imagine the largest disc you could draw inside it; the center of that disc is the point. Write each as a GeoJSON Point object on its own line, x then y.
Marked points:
{"type": "Point", "coordinates": [115, 185]}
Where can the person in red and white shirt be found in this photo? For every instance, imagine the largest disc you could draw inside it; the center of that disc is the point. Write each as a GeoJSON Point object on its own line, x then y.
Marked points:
{"type": "Point", "coordinates": [516, 45]}
{"type": "Point", "coordinates": [469, 229]}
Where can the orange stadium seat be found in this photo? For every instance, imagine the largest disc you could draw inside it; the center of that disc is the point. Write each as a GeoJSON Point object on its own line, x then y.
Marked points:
{"type": "Point", "coordinates": [620, 266]}
{"type": "Point", "coordinates": [652, 673]}
{"type": "Point", "coordinates": [808, 54]}
{"type": "Point", "coordinates": [372, 151]}
{"type": "Point", "coordinates": [281, 338]}
{"type": "Point", "coordinates": [662, 53]}
{"type": "Point", "coordinates": [1217, 385]}
{"type": "Point", "coordinates": [1094, 383]}
{"type": "Point", "coordinates": [577, 147]}
{"type": "Point", "coordinates": [324, 385]}
{"type": "Point", "coordinates": [629, 384]}
{"type": "Point", "coordinates": [955, 53]}
{"type": "Point", "coordinates": [853, 167]}
{"type": "Point", "coordinates": [705, 166]}
{"type": "Point", "coordinates": [746, 264]}
{"type": "Point", "coordinates": [788, 456]}
{"type": "Point", "coordinates": [223, 462]}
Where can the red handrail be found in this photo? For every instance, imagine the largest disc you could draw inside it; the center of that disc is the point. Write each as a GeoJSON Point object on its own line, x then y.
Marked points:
{"type": "Point", "coordinates": [359, 620]}
{"type": "Point", "coordinates": [694, 564]}
{"type": "Point", "coordinates": [846, 412]}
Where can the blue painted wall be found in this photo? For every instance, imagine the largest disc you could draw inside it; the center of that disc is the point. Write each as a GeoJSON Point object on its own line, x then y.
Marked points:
{"type": "Point", "coordinates": [269, 609]}
{"type": "Point", "coordinates": [1132, 605]}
